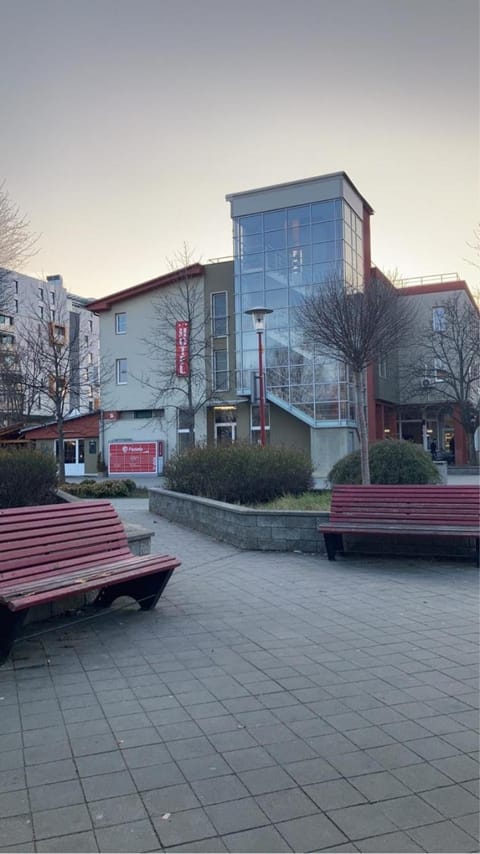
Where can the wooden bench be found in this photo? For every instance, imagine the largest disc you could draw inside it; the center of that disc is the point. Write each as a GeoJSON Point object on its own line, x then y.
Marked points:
{"type": "Point", "coordinates": [442, 511]}
{"type": "Point", "coordinates": [51, 551]}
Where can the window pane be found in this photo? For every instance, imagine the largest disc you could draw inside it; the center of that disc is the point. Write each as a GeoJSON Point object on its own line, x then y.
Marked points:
{"type": "Point", "coordinates": [275, 240]}
{"type": "Point", "coordinates": [323, 231]}
{"type": "Point", "coordinates": [322, 211]}
{"type": "Point", "coordinates": [250, 224]}
{"type": "Point", "coordinates": [121, 323]}
{"type": "Point", "coordinates": [274, 219]}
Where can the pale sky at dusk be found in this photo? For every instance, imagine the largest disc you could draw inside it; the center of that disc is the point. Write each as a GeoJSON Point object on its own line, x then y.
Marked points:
{"type": "Point", "coordinates": [124, 123]}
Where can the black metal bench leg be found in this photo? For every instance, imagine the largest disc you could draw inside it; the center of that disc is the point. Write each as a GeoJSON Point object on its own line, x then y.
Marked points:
{"type": "Point", "coordinates": [10, 624]}
{"type": "Point", "coordinates": [146, 590]}
{"type": "Point", "coordinates": [333, 544]}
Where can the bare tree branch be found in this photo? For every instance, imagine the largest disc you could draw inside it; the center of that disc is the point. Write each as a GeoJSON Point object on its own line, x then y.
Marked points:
{"type": "Point", "coordinates": [355, 327]}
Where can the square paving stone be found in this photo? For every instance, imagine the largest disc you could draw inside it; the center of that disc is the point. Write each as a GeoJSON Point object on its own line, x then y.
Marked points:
{"type": "Point", "coordinates": [203, 767]}
{"type": "Point", "coordinates": [15, 830]}
{"type": "Point", "coordinates": [311, 833]}
{"type": "Point", "coordinates": [53, 795]}
{"type": "Point", "coordinates": [186, 826]}
{"type": "Point", "coordinates": [209, 846]}
{"type": "Point", "coordinates": [222, 723]}
{"type": "Point", "coordinates": [14, 803]}
{"type": "Point", "coordinates": [262, 780]}
{"type": "Point", "coordinates": [189, 748]}
{"type": "Point", "coordinates": [442, 837]}
{"type": "Point", "coordinates": [170, 799]}
{"type": "Point", "coordinates": [120, 810]}
{"type": "Point", "coordinates": [410, 811]}
{"type": "Point", "coordinates": [358, 822]}
{"type": "Point", "coordinates": [433, 748]}
{"type": "Point", "coordinates": [134, 836]}
{"type": "Point", "coordinates": [70, 844]}
{"type": "Point", "coordinates": [216, 790]}
{"type": "Point", "coordinates": [56, 822]}
{"type": "Point", "coordinates": [391, 842]}
{"type": "Point", "coordinates": [88, 745]}
{"type": "Point", "coordinates": [286, 804]}
{"type": "Point", "coordinates": [394, 756]}
{"type": "Point", "coordinates": [291, 751]}
{"type": "Point", "coordinates": [139, 737]}
{"type": "Point", "coordinates": [459, 768]}
{"type": "Point", "coordinates": [353, 764]}
{"type": "Point", "coordinates": [108, 785]}
{"type": "Point", "coordinates": [452, 801]}
{"type": "Point", "coordinates": [156, 776]}
{"type": "Point", "coordinates": [470, 824]}
{"type": "Point", "coordinates": [237, 739]}
{"type": "Point", "coordinates": [233, 816]}
{"type": "Point", "coordinates": [380, 786]}
{"type": "Point", "coordinates": [311, 771]}
{"type": "Point", "coordinates": [260, 839]}
{"type": "Point", "coordinates": [100, 763]}
{"type": "Point", "coordinates": [248, 759]}
{"type": "Point", "coordinates": [149, 754]}
{"type": "Point", "coordinates": [334, 794]}
{"type": "Point", "coordinates": [421, 777]}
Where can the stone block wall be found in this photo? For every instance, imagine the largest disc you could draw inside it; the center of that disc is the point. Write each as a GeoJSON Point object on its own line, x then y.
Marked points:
{"type": "Point", "coordinates": [263, 530]}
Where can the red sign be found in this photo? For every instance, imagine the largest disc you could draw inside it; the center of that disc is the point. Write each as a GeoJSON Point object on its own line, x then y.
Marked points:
{"type": "Point", "coordinates": [134, 457]}
{"type": "Point", "coordinates": [182, 330]}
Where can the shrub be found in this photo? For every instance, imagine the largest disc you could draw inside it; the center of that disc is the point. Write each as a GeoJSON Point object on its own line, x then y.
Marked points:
{"type": "Point", "coordinates": [100, 489]}
{"type": "Point", "coordinates": [26, 478]}
{"type": "Point", "coordinates": [391, 461]}
{"type": "Point", "coordinates": [239, 473]}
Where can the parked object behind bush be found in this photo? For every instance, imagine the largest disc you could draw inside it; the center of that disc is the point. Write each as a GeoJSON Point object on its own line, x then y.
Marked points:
{"type": "Point", "coordinates": [239, 473]}
{"type": "Point", "coordinates": [391, 461]}
{"type": "Point", "coordinates": [27, 478]}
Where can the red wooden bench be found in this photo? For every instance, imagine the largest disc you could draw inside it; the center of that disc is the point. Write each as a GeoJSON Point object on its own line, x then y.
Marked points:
{"type": "Point", "coordinates": [51, 551]}
{"type": "Point", "coordinates": [442, 511]}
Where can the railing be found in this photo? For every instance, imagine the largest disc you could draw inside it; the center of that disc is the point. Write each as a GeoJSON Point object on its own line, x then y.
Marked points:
{"type": "Point", "coordinates": [428, 280]}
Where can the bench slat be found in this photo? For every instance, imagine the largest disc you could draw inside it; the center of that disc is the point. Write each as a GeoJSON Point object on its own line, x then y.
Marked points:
{"type": "Point", "coordinates": [50, 589]}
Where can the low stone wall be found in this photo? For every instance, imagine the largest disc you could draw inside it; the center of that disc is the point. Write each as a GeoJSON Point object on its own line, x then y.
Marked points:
{"type": "Point", "coordinates": [290, 530]}
{"type": "Point", "coordinates": [263, 530]}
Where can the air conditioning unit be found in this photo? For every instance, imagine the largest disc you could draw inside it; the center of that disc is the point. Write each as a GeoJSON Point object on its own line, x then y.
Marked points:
{"type": "Point", "coordinates": [426, 383]}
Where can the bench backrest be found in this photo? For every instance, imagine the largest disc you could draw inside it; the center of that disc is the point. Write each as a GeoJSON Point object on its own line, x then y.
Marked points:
{"type": "Point", "coordinates": [53, 536]}
{"type": "Point", "coordinates": [422, 504]}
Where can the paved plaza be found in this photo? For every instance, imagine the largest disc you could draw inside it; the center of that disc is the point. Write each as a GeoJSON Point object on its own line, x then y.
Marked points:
{"type": "Point", "coordinates": [272, 702]}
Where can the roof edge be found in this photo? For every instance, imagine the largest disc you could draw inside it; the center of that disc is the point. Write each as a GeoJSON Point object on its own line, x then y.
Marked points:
{"type": "Point", "coordinates": [105, 303]}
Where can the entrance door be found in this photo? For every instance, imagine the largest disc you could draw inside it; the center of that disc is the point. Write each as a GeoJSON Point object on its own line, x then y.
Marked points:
{"type": "Point", "coordinates": [74, 457]}
{"type": "Point", "coordinates": [225, 434]}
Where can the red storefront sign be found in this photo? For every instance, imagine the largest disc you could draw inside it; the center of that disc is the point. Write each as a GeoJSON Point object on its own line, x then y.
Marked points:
{"type": "Point", "coordinates": [182, 329]}
{"type": "Point", "coordinates": [134, 457]}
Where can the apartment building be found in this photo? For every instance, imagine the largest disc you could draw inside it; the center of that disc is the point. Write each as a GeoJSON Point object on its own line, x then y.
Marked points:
{"type": "Point", "coordinates": [34, 310]}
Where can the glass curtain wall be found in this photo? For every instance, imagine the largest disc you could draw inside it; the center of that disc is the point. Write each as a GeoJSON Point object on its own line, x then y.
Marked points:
{"type": "Point", "coordinates": [279, 257]}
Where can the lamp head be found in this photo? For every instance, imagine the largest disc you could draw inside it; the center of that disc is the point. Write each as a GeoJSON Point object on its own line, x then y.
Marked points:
{"type": "Point", "coordinates": [258, 317]}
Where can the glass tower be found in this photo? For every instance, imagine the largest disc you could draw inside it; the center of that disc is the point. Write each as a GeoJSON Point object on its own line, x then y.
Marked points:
{"type": "Point", "coordinates": [281, 253]}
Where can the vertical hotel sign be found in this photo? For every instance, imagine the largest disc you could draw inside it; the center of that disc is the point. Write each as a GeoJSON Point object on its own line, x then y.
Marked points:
{"type": "Point", "coordinates": [182, 348]}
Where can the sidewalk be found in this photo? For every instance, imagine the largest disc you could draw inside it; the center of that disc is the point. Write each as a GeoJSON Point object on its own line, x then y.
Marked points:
{"type": "Point", "coordinates": [271, 702]}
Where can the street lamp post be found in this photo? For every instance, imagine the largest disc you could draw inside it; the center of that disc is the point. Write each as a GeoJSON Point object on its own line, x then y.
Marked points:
{"type": "Point", "coordinates": [258, 318]}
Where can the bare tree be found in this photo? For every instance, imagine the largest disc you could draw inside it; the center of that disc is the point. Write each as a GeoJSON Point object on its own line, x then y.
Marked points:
{"type": "Point", "coordinates": [178, 346]}
{"type": "Point", "coordinates": [17, 243]}
{"type": "Point", "coordinates": [355, 327]}
{"type": "Point", "coordinates": [445, 366]}
{"type": "Point", "coordinates": [55, 370]}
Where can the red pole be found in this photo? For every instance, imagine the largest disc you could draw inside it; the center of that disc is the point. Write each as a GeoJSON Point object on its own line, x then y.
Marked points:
{"type": "Point", "coordinates": [262, 391]}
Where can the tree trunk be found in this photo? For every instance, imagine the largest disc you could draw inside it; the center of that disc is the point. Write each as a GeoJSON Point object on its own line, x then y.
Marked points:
{"type": "Point", "coordinates": [61, 451]}
{"type": "Point", "coordinates": [362, 427]}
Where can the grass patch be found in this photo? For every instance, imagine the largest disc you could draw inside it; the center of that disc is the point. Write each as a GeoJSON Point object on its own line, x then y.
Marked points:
{"type": "Point", "coordinates": [315, 500]}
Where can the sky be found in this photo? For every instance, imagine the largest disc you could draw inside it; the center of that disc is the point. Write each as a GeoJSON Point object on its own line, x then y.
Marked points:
{"type": "Point", "coordinates": [125, 123]}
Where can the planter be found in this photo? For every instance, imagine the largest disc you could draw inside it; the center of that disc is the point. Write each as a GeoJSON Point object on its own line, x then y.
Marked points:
{"type": "Point", "coordinates": [262, 530]}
